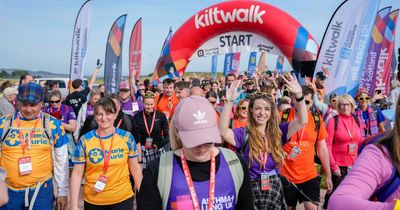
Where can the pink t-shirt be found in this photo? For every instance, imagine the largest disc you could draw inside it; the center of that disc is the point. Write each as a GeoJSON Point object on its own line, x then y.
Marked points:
{"type": "Point", "coordinates": [371, 170]}
{"type": "Point", "coordinates": [347, 134]}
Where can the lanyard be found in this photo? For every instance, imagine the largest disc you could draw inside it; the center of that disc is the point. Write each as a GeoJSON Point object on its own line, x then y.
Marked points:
{"type": "Point", "coordinates": [119, 122]}
{"type": "Point", "coordinates": [264, 157]}
{"type": "Point", "coordinates": [21, 136]}
{"type": "Point", "coordinates": [152, 123]}
{"type": "Point", "coordinates": [301, 136]}
{"type": "Point", "coordinates": [108, 155]}
{"type": "Point", "coordinates": [348, 131]}
{"type": "Point", "coordinates": [189, 181]}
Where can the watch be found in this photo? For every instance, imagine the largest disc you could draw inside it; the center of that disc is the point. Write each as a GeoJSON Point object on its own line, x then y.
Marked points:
{"type": "Point", "coordinates": [300, 99]}
{"type": "Point", "coordinates": [3, 174]}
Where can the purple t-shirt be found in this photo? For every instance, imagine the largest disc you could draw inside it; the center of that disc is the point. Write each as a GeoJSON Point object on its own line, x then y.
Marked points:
{"type": "Point", "coordinates": [130, 107]}
{"type": "Point", "coordinates": [67, 112]}
{"type": "Point", "coordinates": [255, 169]}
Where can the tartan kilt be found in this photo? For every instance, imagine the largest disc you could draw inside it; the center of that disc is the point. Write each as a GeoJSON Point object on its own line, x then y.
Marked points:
{"type": "Point", "coordinates": [269, 199]}
{"type": "Point", "coordinates": [149, 155]}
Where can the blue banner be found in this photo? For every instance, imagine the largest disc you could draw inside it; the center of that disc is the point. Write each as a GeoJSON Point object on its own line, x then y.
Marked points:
{"type": "Point", "coordinates": [214, 64]}
{"type": "Point", "coordinates": [252, 63]}
{"type": "Point", "coordinates": [279, 63]}
{"type": "Point", "coordinates": [228, 63]}
{"type": "Point", "coordinates": [113, 64]}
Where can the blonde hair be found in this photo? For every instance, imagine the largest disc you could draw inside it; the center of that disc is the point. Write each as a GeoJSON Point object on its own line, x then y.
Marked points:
{"type": "Point", "coordinates": [174, 140]}
{"type": "Point", "coordinates": [239, 105]}
{"type": "Point", "coordinates": [272, 131]}
{"type": "Point", "coordinates": [349, 99]}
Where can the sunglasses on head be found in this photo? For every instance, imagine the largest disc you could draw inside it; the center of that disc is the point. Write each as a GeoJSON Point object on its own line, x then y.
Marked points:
{"type": "Point", "coordinates": [366, 98]}
{"type": "Point", "coordinates": [124, 90]}
{"type": "Point", "coordinates": [261, 94]}
{"type": "Point", "coordinates": [149, 95]}
{"type": "Point", "coordinates": [55, 102]}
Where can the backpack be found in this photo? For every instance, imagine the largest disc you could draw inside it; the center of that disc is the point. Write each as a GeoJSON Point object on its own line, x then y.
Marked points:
{"type": "Point", "coordinates": [336, 119]}
{"type": "Point", "coordinates": [390, 185]}
{"type": "Point", "coordinates": [9, 119]}
{"type": "Point", "coordinates": [317, 120]}
{"type": "Point", "coordinates": [165, 173]}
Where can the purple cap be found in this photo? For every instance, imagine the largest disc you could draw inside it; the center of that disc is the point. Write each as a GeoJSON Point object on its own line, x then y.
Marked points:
{"type": "Point", "coordinates": [124, 85]}
{"type": "Point", "coordinates": [196, 122]}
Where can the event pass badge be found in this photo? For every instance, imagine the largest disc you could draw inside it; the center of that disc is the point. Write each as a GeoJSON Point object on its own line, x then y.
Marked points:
{"type": "Point", "coordinates": [100, 184]}
{"type": "Point", "coordinates": [265, 185]}
{"type": "Point", "coordinates": [25, 166]}
{"type": "Point", "coordinates": [149, 143]}
{"type": "Point", "coordinates": [294, 153]}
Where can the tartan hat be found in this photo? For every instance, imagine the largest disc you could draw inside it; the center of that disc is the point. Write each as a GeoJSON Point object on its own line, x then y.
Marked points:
{"type": "Point", "coordinates": [30, 93]}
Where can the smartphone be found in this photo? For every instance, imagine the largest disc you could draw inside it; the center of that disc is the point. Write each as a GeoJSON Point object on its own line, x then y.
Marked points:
{"type": "Point", "coordinates": [378, 92]}
{"type": "Point", "coordinates": [98, 63]}
{"type": "Point", "coordinates": [285, 92]}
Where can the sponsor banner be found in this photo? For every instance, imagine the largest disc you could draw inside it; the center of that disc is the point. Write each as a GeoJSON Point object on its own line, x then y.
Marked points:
{"type": "Point", "coordinates": [256, 18]}
{"type": "Point", "coordinates": [135, 51]}
{"type": "Point", "coordinates": [228, 63]}
{"type": "Point", "coordinates": [214, 65]}
{"type": "Point", "coordinates": [112, 66]}
{"type": "Point", "coordinates": [235, 63]}
{"type": "Point", "coordinates": [375, 44]}
{"type": "Point", "coordinates": [279, 63]}
{"type": "Point", "coordinates": [252, 63]}
{"type": "Point", "coordinates": [383, 71]}
{"type": "Point", "coordinates": [262, 63]}
{"type": "Point", "coordinates": [233, 42]}
{"type": "Point", "coordinates": [80, 41]}
{"type": "Point", "coordinates": [345, 43]}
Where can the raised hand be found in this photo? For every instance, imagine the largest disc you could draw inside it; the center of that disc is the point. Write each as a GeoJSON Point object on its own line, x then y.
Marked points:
{"type": "Point", "coordinates": [232, 92]}
{"type": "Point", "coordinates": [292, 84]}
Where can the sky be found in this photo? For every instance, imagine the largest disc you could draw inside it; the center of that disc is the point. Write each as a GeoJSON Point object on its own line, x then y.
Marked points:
{"type": "Point", "coordinates": [37, 34]}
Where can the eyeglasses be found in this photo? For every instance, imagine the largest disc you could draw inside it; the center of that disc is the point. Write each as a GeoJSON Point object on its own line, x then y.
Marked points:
{"type": "Point", "coordinates": [344, 105]}
{"type": "Point", "coordinates": [142, 89]}
{"type": "Point", "coordinates": [366, 98]}
{"type": "Point", "coordinates": [124, 90]}
{"type": "Point", "coordinates": [243, 107]}
{"type": "Point", "coordinates": [307, 102]}
{"type": "Point", "coordinates": [223, 100]}
{"type": "Point", "coordinates": [55, 102]}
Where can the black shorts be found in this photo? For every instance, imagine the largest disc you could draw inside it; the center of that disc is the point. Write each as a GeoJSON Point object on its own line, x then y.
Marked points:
{"type": "Point", "coordinates": [310, 188]}
{"type": "Point", "coordinates": [125, 204]}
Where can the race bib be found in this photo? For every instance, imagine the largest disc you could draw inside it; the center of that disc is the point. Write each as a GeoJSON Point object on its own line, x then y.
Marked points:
{"type": "Point", "coordinates": [265, 185]}
{"type": "Point", "coordinates": [294, 153]}
{"type": "Point", "coordinates": [352, 149]}
{"type": "Point", "coordinates": [100, 184]}
{"type": "Point", "coordinates": [135, 106]}
{"type": "Point", "coordinates": [25, 166]}
{"type": "Point", "coordinates": [149, 143]}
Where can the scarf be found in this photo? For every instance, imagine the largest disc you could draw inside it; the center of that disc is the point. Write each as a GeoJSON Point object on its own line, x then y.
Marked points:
{"type": "Point", "coordinates": [371, 127]}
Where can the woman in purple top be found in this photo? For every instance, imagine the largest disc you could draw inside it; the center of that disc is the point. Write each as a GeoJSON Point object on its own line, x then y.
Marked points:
{"type": "Point", "coordinates": [67, 116]}
{"type": "Point", "coordinates": [375, 166]}
{"type": "Point", "coordinates": [261, 141]}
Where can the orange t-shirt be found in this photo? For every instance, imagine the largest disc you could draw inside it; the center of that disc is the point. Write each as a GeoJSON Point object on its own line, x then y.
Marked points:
{"type": "Point", "coordinates": [302, 168]}
{"type": "Point", "coordinates": [239, 124]}
{"type": "Point", "coordinates": [166, 105]}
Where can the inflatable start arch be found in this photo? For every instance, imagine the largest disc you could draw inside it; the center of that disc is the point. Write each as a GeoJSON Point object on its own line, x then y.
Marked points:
{"type": "Point", "coordinates": [237, 26]}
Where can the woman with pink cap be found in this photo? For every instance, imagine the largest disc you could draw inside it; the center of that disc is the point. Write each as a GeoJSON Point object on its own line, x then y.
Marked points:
{"type": "Point", "coordinates": [196, 174]}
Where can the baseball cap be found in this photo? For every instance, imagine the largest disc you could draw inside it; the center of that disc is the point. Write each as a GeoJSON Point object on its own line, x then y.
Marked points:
{"type": "Point", "coordinates": [30, 93]}
{"type": "Point", "coordinates": [10, 91]}
{"type": "Point", "coordinates": [361, 91]}
{"type": "Point", "coordinates": [124, 85]}
{"type": "Point", "coordinates": [195, 82]}
{"type": "Point", "coordinates": [196, 122]}
{"type": "Point", "coordinates": [321, 75]}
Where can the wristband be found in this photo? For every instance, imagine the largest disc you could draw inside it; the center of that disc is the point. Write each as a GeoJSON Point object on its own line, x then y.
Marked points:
{"type": "Point", "coordinates": [300, 99]}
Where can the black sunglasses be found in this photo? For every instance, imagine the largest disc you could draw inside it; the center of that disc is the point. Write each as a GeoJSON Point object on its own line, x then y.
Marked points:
{"type": "Point", "coordinates": [55, 102]}
{"type": "Point", "coordinates": [124, 90]}
{"type": "Point", "coordinates": [243, 107]}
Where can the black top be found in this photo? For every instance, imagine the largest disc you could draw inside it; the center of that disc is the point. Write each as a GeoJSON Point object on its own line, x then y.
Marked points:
{"type": "Point", "coordinates": [159, 134]}
{"type": "Point", "coordinates": [90, 124]}
{"type": "Point", "coordinates": [149, 197]}
{"type": "Point", "coordinates": [76, 99]}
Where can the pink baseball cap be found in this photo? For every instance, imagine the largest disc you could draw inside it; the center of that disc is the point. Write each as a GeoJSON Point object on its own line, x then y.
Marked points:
{"type": "Point", "coordinates": [196, 122]}
{"type": "Point", "coordinates": [124, 85]}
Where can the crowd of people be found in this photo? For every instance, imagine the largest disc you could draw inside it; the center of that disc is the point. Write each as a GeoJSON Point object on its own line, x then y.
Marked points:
{"type": "Point", "coordinates": [239, 142]}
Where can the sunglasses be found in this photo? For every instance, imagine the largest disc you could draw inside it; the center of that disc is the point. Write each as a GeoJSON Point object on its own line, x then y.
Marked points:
{"type": "Point", "coordinates": [142, 89]}
{"type": "Point", "coordinates": [261, 94]}
{"type": "Point", "coordinates": [213, 102]}
{"type": "Point", "coordinates": [55, 102]}
{"type": "Point", "coordinates": [243, 107]}
{"type": "Point", "coordinates": [124, 90]}
{"type": "Point", "coordinates": [364, 98]}
{"type": "Point", "coordinates": [149, 95]}
{"type": "Point", "coordinates": [307, 102]}
{"type": "Point", "coordinates": [333, 100]}
{"type": "Point", "coordinates": [223, 100]}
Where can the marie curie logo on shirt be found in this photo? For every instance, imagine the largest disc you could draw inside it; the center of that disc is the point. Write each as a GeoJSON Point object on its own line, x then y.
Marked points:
{"type": "Point", "coordinates": [96, 155]}
{"type": "Point", "coordinates": [13, 139]}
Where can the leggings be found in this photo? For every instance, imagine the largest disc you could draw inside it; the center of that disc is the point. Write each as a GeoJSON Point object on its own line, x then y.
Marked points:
{"type": "Point", "coordinates": [126, 204]}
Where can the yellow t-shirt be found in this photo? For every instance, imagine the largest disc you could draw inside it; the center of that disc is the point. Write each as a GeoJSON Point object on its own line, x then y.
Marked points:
{"type": "Point", "coordinates": [88, 151]}
{"type": "Point", "coordinates": [40, 151]}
